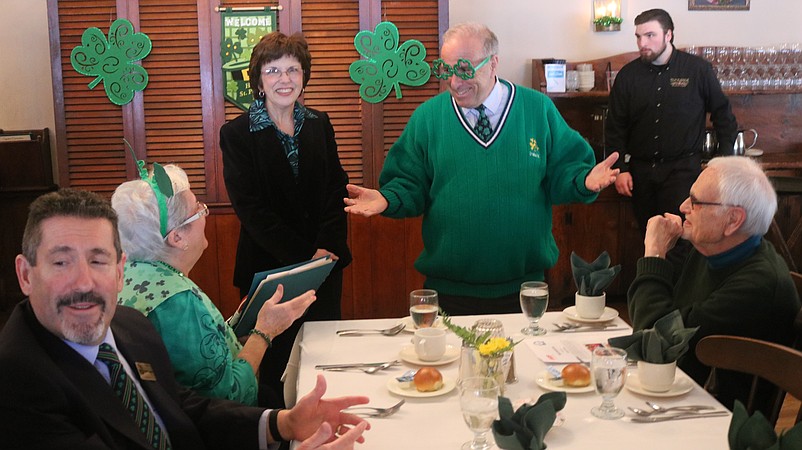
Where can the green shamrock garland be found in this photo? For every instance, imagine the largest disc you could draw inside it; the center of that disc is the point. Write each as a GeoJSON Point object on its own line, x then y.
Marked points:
{"type": "Point", "coordinates": [387, 65]}
{"type": "Point", "coordinates": [112, 60]}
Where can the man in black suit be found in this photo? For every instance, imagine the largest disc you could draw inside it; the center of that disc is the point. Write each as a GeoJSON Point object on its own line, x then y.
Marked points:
{"type": "Point", "coordinates": [54, 388]}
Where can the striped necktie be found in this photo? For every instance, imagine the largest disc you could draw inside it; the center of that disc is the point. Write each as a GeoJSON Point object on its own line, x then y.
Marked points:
{"type": "Point", "coordinates": [131, 398]}
{"type": "Point", "coordinates": [482, 127]}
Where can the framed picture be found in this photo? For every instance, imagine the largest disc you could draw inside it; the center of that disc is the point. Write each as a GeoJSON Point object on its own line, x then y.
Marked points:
{"type": "Point", "coordinates": [708, 5]}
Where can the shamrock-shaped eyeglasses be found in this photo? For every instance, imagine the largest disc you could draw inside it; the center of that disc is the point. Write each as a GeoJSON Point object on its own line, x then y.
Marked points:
{"type": "Point", "coordinates": [463, 68]}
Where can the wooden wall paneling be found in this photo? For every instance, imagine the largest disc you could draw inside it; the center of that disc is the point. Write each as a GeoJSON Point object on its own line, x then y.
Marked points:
{"type": "Point", "coordinates": [205, 271]}
{"type": "Point", "coordinates": [93, 156]}
{"type": "Point", "coordinates": [173, 103]}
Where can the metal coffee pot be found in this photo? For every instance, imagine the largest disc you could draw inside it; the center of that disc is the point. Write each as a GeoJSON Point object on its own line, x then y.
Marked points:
{"type": "Point", "coordinates": [710, 144]}
{"type": "Point", "coordinates": [739, 148]}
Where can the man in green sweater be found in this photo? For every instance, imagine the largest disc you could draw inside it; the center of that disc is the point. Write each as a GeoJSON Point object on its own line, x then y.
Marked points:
{"type": "Point", "coordinates": [483, 163]}
{"type": "Point", "coordinates": [733, 282]}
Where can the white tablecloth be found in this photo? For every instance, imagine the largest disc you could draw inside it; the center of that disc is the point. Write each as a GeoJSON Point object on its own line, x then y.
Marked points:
{"type": "Point", "coordinates": [436, 423]}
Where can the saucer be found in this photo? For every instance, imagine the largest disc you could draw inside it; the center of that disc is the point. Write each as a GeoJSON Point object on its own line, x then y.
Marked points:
{"type": "Point", "coordinates": [545, 381]}
{"type": "Point", "coordinates": [410, 325]}
{"type": "Point", "coordinates": [395, 387]}
{"type": "Point", "coordinates": [753, 152]}
{"type": "Point", "coordinates": [608, 315]}
{"type": "Point", "coordinates": [408, 354]}
{"type": "Point", "coordinates": [682, 385]}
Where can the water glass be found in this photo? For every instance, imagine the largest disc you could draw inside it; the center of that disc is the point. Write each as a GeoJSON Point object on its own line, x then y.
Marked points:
{"type": "Point", "coordinates": [423, 307]}
{"type": "Point", "coordinates": [608, 367]}
{"type": "Point", "coordinates": [478, 400]}
{"type": "Point", "coordinates": [534, 297]}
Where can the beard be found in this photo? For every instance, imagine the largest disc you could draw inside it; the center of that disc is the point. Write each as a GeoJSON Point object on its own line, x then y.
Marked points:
{"type": "Point", "coordinates": [651, 56]}
{"type": "Point", "coordinates": [84, 333]}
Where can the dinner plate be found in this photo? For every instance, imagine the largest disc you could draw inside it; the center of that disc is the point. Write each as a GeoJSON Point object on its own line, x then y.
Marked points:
{"type": "Point", "coordinates": [394, 386]}
{"type": "Point", "coordinates": [753, 152]}
{"type": "Point", "coordinates": [682, 385]}
{"type": "Point", "coordinates": [408, 354]}
{"type": "Point", "coordinates": [608, 315]}
{"type": "Point", "coordinates": [410, 325]}
{"type": "Point", "coordinates": [545, 381]}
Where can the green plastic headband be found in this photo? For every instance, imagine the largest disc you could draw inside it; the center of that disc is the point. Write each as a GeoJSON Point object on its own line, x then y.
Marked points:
{"type": "Point", "coordinates": [161, 185]}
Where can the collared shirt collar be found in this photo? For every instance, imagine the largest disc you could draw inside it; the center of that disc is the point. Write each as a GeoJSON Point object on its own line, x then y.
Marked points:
{"type": "Point", "coordinates": [736, 254]}
{"type": "Point", "coordinates": [89, 352]}
{"type": "Point", "coordinates": [259, 119]}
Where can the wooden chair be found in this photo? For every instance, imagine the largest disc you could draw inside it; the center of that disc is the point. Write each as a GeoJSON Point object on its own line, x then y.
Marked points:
{"type": "Point", "coordinates": [779, 365]}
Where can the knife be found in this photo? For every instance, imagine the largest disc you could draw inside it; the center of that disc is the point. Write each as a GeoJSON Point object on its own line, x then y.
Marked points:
{"type": "Point", "coordinates": [682, 416]}
{"type": "Point", "coordinates": [347, 365]}
{"type": "Point", "coordinates": [584, 329]}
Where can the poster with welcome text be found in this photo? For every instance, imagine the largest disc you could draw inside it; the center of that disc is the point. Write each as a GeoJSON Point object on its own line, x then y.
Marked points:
{"type": "Point", "coordinates": [241, 31]}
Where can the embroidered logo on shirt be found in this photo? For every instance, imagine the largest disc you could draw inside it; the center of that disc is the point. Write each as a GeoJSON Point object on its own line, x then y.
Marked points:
{"type": "Point", "coordinates": [679, 82]}
{"type": "Point", "coordinates": [534, 150]}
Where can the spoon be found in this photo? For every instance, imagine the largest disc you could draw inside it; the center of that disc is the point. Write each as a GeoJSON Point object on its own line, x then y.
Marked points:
{"type": "Point", "coordinates": [372, 370]}
{"type": "Point", "coordinates": [359, 332]}
{"type": "Point", "coordinates": [661, 409]}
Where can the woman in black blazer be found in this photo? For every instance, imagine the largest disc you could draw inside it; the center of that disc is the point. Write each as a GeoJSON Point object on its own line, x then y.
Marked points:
{"type": "Point", "coordinates": [286, 184]}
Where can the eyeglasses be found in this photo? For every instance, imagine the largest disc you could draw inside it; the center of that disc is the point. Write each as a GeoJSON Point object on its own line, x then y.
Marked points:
{"type": "Point", "coordinates": [203, 211]}
{"type": "Point", "coordinates": [274, 73]}
{"type": "Point", "coordinates": [695, 202]}
{"type": "Point", "coordinates": [463, 68]}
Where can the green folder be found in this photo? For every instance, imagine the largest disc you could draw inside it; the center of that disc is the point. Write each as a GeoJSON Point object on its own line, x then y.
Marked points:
{"type": "Point", "coordinates": [296, 278]}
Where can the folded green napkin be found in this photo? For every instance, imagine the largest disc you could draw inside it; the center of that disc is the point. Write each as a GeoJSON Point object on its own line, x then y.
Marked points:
{"type": "Point", "coordinates": [755, 433]}
{"type": "Point", "coordinates": [592, 279]}
{"type": "Point", "coordinates": [526, 428]}
{"type": "Point", "coordinates": [664, 343]}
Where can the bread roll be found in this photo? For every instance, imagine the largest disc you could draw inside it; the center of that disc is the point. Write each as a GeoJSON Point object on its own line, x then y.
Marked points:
{"type": "Point", "coordinates": [428, 379]}
{"type": "Point", "coordinates": [576, 375]}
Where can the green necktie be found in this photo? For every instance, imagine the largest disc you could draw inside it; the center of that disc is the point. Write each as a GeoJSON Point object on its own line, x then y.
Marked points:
{"type": "Point", "coordinates": [126, 390]}
{"type": "Point", "coordinates": [482, 127]}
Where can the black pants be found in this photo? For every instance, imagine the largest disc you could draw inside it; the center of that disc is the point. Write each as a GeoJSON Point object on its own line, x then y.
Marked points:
{"type": "Point", "coordinates": [326, 307]}
{"type": "Point", "coordinates": [660, 188]}
{"type": "Point", "coordinates": [456, 305]}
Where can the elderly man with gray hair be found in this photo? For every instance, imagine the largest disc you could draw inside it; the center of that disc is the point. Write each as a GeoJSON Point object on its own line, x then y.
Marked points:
{"type": "Point", "coordinates": [733, 282]}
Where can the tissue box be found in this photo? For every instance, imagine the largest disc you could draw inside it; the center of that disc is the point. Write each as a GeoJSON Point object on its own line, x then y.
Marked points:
{"type": "Point", "coordinates": [555, 75]}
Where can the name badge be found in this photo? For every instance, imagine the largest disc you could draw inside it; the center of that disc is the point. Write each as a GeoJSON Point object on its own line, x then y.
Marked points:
{"type": "Point", "coordinates": [145, 372]}
{"type": "Point", "coordinates": [679, 82]}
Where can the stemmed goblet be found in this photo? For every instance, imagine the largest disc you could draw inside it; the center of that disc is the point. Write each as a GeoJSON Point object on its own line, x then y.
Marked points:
{"type": "Point", "coordinates": [609, 369]}
{"type": "Point", "coordinates": [534, 300]}
{"type": "Point", "coordinates": [478, 400]}
{"type": "Point", "coordinates": [423, 307]}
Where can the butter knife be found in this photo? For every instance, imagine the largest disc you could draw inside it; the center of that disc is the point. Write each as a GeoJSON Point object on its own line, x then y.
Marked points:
{"type": "Point", "coordinates": [584, 329]}
{"type": "Point", "coordinates": [686, 415]}
{"type": "Point", "coordinates": [348, 365]}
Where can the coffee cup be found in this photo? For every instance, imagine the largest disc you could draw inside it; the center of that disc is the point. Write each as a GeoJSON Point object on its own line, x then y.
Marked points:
{"type": "Point", "coordinates": [656, 377]}
{"type": "Point", "coordinates": [430, 343]}
{"type": "Point", "coordinates": [590, 307]}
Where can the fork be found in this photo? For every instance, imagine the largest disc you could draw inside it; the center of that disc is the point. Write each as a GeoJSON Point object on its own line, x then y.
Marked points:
{"type": "Point", "coordinates": [369, 370]}
{"type": "Point", "coordinates": [573, 326]}
{"type": "Point", "coordinates": [370, 411]}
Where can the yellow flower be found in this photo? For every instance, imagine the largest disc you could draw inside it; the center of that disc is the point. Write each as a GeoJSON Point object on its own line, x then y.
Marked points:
{"type": "Point", "coordinates": [494, 346]}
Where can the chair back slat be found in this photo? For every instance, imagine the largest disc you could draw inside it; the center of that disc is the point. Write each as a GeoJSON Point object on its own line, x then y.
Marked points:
{"type": "Point", "coordinates": [775, 363]}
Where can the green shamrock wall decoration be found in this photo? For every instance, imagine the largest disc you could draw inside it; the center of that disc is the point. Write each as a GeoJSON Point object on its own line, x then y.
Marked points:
{"type": "Point", "coordinates": [112, 60]}
{"type": "Point", "coordinates": [387, 65]}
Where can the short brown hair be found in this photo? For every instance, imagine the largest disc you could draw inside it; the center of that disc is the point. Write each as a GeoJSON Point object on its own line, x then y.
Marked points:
{"type": "Point", "coordinates": [66, 203]}
{"type": "Point", "coordinates": [274, 46]}
{"type": "Point", "coordinates": [661, 16]}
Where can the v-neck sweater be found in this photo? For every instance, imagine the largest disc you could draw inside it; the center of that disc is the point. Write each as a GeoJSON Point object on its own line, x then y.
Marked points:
{"type": "Point", "coordinates": [486, 206]}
